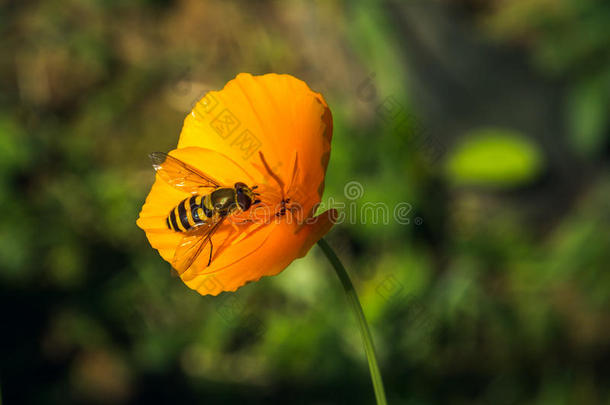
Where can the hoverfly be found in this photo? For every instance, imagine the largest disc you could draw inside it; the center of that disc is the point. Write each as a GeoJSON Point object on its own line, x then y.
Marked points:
{"type": "Point", "coordinates": [200, 215]}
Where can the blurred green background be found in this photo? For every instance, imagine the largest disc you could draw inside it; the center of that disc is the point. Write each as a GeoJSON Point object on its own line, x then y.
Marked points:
{"type": "Point", "coordinates": [486, 121]}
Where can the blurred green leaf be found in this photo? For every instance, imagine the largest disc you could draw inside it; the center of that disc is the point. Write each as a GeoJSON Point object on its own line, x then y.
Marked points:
{"type": "Point", "coordinates": [588, 115]}
{"type": "Point", "coordinates": [494, 158]}
{"type": "Point", "coordinates": [13, 151]}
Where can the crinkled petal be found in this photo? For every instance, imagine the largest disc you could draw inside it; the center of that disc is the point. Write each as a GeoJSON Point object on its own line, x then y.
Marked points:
{"type": "Point", "coordinates": [267, 254]}
{"type": "Point", "coordinates": [276, 115]}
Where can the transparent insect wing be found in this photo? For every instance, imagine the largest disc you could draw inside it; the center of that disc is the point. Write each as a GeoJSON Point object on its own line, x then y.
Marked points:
{"type": "Point", "coordinates": [195, 243]}
{"type": "Point", "coordinates": [180, 175]}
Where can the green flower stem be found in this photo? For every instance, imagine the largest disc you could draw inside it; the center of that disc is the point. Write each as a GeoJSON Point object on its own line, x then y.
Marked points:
{"type": "Point", "coordinates": [354, 302]}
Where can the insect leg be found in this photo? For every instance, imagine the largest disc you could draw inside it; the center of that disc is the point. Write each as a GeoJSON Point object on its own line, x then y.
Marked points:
{"type": "Point", "coordinates": [211, 250]}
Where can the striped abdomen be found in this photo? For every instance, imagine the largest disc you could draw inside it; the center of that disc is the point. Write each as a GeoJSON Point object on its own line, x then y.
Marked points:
{"type": "Point", "coordinates": [190, 212]}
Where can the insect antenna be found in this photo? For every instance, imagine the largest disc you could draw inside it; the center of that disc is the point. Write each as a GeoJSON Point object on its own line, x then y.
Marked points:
{"type": "Point", "coordinates": [295, 170]}
{"type": "Point", "coordinates": [280, 183]}
{"type": "Point", "coordinates": [273, 175]}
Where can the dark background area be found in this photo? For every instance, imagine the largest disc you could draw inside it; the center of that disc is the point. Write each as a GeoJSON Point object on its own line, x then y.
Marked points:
{"type": "Point", "coordinates": [481, 128]}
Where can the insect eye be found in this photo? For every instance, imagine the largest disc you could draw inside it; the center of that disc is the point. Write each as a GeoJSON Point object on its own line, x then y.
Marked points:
{"type": "Point", "coordinates": [243, 201]}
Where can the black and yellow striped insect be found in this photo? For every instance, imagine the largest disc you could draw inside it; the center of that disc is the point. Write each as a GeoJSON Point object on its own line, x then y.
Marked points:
{"type": "Point", "coordinates": [200, 215]}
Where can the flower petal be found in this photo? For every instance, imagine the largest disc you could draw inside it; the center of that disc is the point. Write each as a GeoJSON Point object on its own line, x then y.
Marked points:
{"type": "Point", "coordinates": [266, 253]}
{"type": "Point", "coordinates": [276, 115]}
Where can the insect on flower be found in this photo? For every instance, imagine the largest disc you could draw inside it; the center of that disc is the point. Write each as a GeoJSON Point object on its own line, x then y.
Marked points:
{"type": "Point", "coordinates": [199, 216]}
{"type": "Point", "coordinates": [237, 199]}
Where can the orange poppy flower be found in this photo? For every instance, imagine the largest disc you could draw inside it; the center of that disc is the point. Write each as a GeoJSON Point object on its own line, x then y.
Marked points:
{"type": "Point", "coordinates": [268, 131]}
